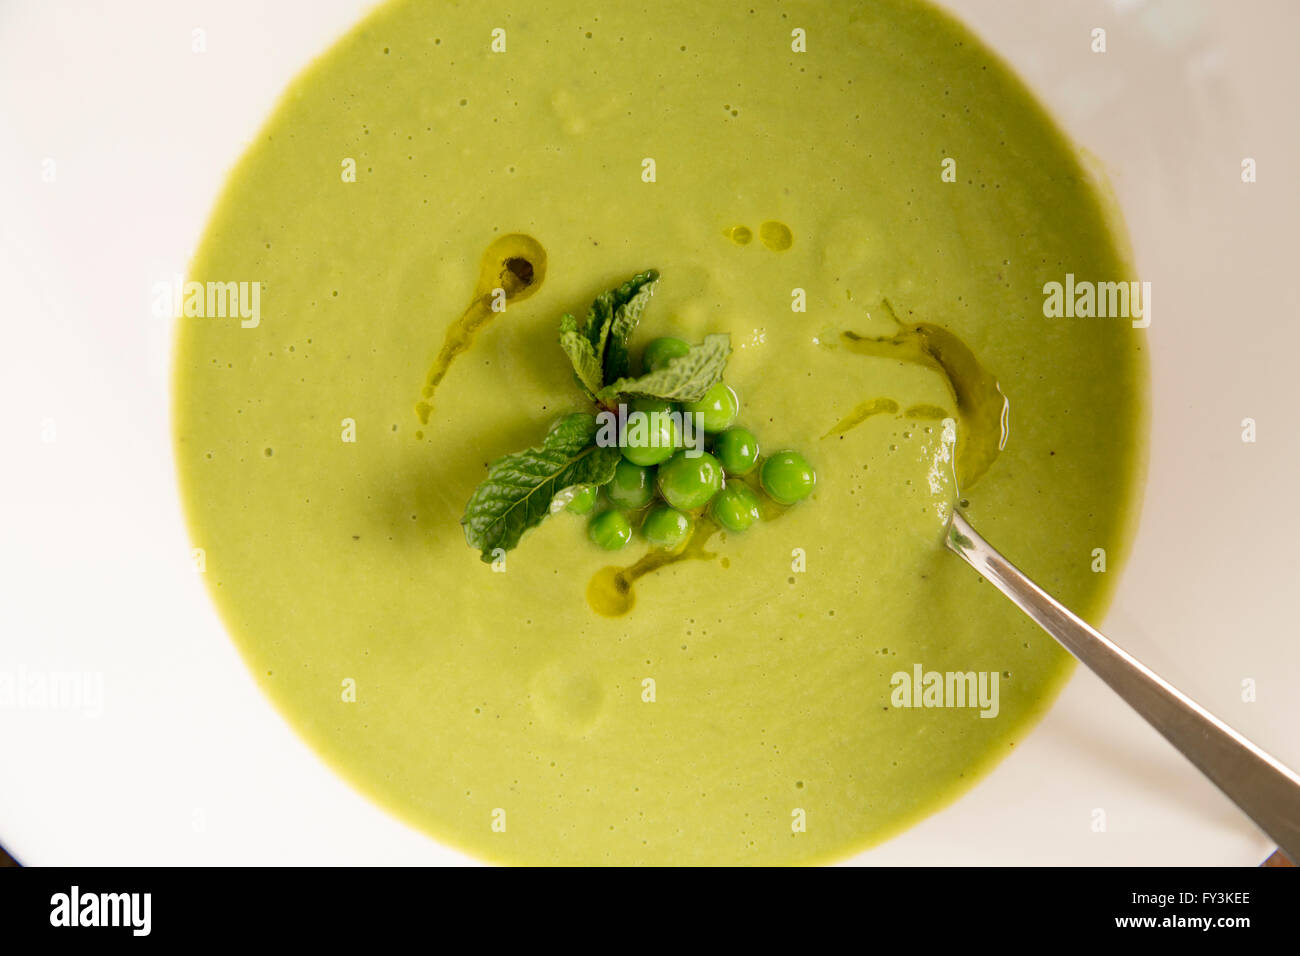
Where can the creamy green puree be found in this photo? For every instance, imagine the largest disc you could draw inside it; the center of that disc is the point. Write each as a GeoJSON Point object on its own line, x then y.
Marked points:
{"type": "Point", "coordinates": [742, 710]}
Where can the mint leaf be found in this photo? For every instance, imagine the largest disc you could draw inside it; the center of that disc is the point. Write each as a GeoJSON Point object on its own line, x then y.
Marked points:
{"type": "Point", "coordinates": [607, 305]}
{"type": "Point", "coordinates": [609, 325]}
{"type": "Point", "coordinates": [627, 314]}
{"type": "Point", "coordinates": [684, 379]}
{"type": "Point", "coordinates": [586, 366]}
{"type": "Point", "coordinates": [517, 493]}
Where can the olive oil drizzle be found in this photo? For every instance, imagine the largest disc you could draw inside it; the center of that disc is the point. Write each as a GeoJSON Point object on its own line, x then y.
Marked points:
{"type": "Point", "coordinates": [610, 591]}
{"type": "Point", "coordinates": [874, 406]}
{"type": "Point", "coordinates": [983, 412]}
{"type": "Point", "coordinates": [930, 412]}
{"type": "Point", "coordinates": [512, 267]}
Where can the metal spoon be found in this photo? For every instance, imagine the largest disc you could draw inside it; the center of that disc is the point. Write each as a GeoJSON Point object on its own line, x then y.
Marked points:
{"type": "Point", "coordinates": [1258, 783]}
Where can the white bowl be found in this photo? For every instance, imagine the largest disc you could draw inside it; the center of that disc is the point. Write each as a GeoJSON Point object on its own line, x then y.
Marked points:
{"type": "Point", "coordinates": [117, 138]}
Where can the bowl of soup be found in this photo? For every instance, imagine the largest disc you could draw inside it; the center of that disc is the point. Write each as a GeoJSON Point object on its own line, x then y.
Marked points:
{"type": "Point", "coordinates": [905, 218]}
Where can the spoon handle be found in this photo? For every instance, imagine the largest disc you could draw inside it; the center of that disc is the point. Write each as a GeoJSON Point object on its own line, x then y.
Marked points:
{"type": "Point", "coordinates": [1258, 783]}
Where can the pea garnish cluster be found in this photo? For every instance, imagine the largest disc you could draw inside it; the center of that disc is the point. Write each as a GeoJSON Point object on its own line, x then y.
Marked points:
{"type": "Point", "coordinates": [675, 486]}
{"type": "Point", "coordinates": [662, 450]}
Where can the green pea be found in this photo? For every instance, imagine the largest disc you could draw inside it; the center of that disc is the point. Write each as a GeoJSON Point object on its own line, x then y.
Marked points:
{"type": "Point", "coordinates": [719, 406]}
{"type": "Point", "coordinates": [788, 477]}
{"type": "Point", "coordinates": [632, 485]}
{"type": "Point", "coordinates": [667, 527]}
{"type": "Point", "coordinates": [650, 433]}
{"type": "Point", "coordinates": [689, 483]}
{"type": "Point", "coordinates": [610, 530]}
{"type": "Point", "coordinates": [662, 351]}
{"type": "Point", "coordinates": [736, 507]}
{"type": "Point", "coordinates": [737, 449]}
{"type": "Point", "coordinates": [583, 500]}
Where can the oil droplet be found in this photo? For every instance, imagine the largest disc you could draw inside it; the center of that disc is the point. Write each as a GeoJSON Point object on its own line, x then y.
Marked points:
{"type": "Point", "coordinates": [740, 235]}
{"type": "Point", "coordinates": [776, 235]}
{"type": "Point", "coordinates": [609, 593]}
{"type": "Point", "coordinates": [514, 264]}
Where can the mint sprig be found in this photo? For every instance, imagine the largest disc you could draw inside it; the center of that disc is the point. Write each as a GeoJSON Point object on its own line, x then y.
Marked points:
{"type": "Point", "coordinates": [598, 350]}
{"type": "Point", "coordinates": [684, 379]}
{"type": "Point", "coordinates": [519, 488]}
{"type": "Point", "coordinates": [628, 302]}
{"type": "Point", "coordinates": [522, 489]}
